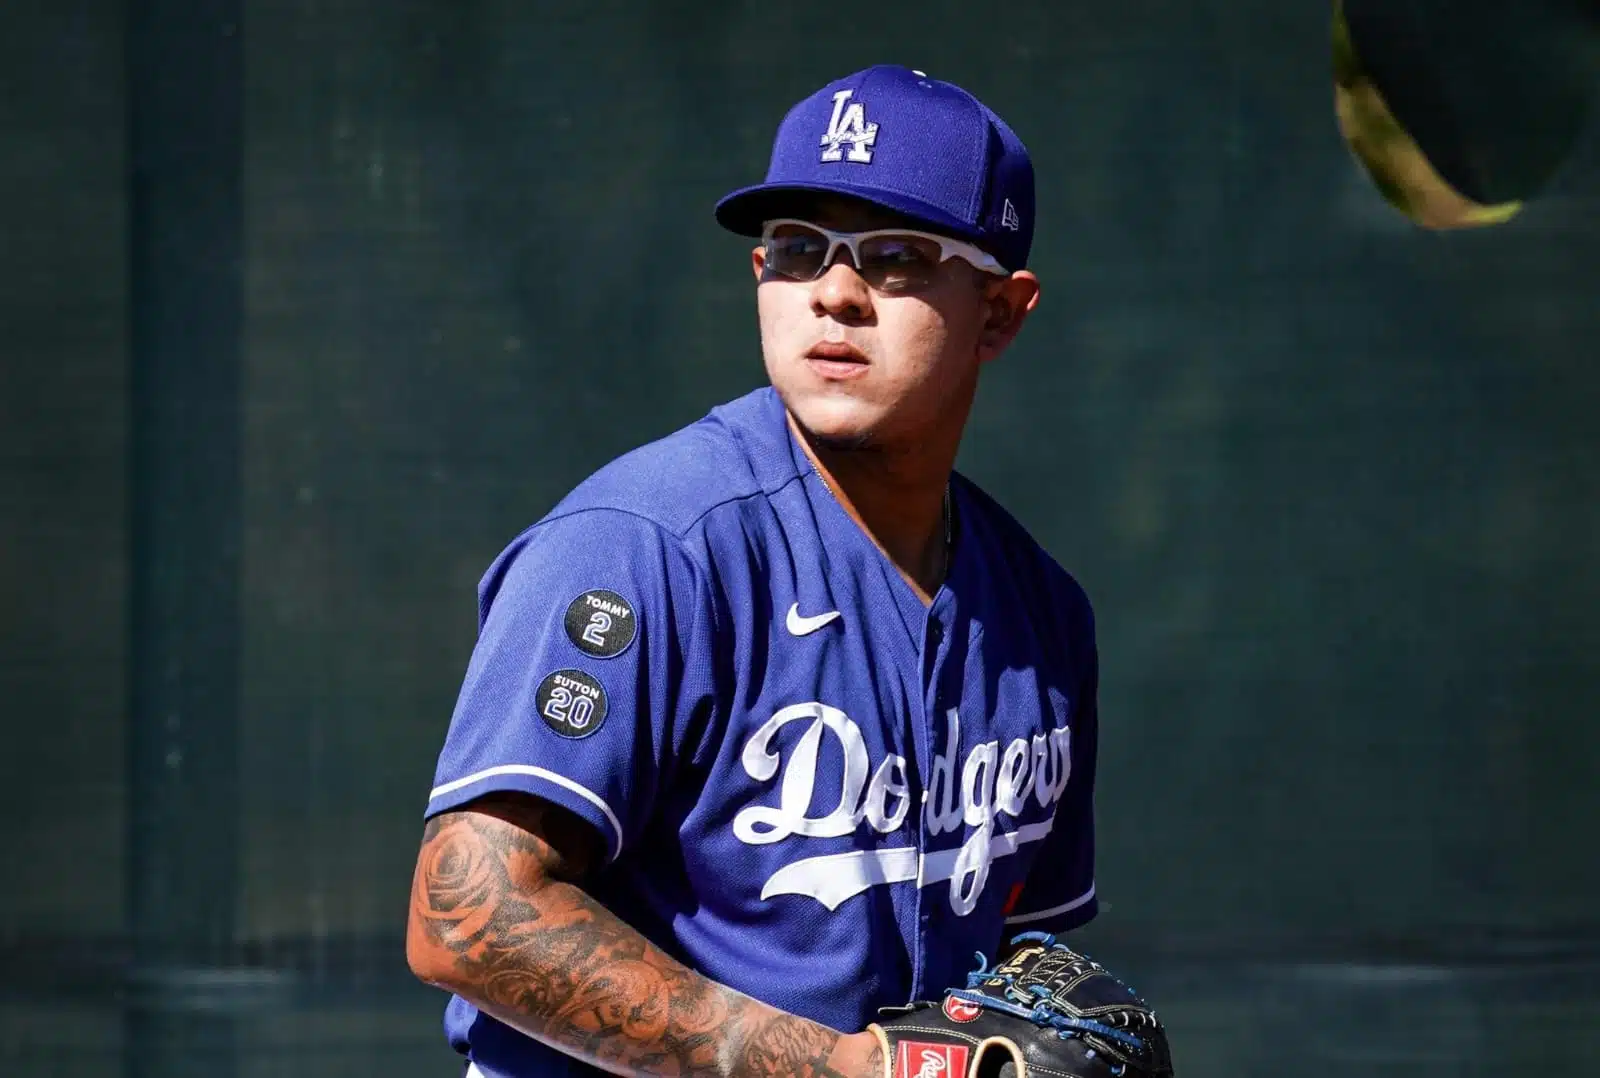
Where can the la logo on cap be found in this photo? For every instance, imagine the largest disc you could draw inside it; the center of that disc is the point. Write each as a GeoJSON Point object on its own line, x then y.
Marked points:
{"type": "Point", "coordinates": [849, 124]}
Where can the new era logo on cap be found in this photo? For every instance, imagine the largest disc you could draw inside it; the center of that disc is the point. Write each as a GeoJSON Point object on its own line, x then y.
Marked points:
{"type": "Point", "coordinates": [923, 148]}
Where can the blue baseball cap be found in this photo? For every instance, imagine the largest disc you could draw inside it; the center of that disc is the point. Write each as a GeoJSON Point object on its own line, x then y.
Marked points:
{"type": "Point", "coordinates": [901, 140]}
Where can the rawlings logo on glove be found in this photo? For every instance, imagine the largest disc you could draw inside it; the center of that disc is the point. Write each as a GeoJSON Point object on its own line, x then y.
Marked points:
{"type": "Point", "coordinates": [1046, 1007]}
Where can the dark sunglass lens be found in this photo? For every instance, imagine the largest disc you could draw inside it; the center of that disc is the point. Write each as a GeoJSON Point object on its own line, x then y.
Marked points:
{"type": "Point", "coordinates": [899, 263]}
{"type": "Point", "coordinates": [796, 251]}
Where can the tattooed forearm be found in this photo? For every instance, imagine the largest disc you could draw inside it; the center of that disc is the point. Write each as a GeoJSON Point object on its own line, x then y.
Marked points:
{"type": "Point", "coordinates": [495, 918]}
{"type": "Point", "coordinates": [785, 1045]}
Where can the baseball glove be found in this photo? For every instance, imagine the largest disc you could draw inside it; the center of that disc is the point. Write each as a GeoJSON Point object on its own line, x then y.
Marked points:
{"type": "Point", "coordinates": [1047, 1008]}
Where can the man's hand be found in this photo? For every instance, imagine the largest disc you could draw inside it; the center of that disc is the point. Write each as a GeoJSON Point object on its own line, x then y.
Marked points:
{"type": "Point", "coordinates": [499, 917]}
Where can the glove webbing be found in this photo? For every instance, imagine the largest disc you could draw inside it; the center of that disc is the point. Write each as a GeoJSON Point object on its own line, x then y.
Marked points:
{"type": "Point", "coordinates": [1066, 1026]}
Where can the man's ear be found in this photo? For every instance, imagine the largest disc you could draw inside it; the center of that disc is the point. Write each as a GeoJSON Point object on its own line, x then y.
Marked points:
{"type": "Point", "coordinates": [758, 261]}
{"type": "Point", "coordinates": [1010, 300]}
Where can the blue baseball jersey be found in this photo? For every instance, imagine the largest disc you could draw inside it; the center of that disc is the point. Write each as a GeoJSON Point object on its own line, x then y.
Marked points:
{"type": "Point", "coordinates": [812, 787]}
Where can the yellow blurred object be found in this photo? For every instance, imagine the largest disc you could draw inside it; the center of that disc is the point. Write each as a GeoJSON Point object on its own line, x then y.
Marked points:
{"type": "Point", "coordinates": [1397, 166]}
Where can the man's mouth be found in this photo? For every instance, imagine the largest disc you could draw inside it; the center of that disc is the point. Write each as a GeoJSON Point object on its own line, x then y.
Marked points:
{"type": "Point", "coordinates": [837, 359]}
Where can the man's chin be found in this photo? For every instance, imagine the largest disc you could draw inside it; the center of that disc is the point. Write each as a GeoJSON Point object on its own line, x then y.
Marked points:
{"type": "Point", "coordinates": [843, 442]}
{"type": "Point", "coordinates": [832, 428]}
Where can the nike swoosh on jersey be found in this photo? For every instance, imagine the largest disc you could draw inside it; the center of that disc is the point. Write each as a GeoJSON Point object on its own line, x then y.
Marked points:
{"type": "Point", "coordinates": [804, 626]}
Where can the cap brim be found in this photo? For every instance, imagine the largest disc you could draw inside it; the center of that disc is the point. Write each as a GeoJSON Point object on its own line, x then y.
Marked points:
{"type": "Point", "coordinates": [744, 211]}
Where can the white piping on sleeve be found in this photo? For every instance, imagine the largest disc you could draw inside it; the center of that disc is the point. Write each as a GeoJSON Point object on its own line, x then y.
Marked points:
{"type": "Point", "coordinates": [539, 773]}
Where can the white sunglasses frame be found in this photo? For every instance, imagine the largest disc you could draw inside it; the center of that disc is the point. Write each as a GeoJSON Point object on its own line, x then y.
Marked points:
{"type": "Point", "coordinates": [948, 248]}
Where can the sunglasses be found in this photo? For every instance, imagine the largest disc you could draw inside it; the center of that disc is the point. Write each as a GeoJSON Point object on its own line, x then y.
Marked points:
{"type": "Point", "coordinates": [888, 259]}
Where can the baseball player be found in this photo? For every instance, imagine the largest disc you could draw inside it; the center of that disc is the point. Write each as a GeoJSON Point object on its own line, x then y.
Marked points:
{"type": "Point", "coordinates": [778, 720]}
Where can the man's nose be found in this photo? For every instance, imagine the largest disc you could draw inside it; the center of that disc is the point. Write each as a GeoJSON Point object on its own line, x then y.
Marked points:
{"type": "Point", "coordinates": [841, 291]}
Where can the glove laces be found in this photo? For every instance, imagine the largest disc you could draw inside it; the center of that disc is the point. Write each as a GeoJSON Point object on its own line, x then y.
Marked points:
{"type": "Point", "coordinates": [1027, 1002]}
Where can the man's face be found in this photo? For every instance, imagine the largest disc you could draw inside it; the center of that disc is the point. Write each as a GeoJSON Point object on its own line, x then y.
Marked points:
{"type": "Point", "coordinates": [859, 366]}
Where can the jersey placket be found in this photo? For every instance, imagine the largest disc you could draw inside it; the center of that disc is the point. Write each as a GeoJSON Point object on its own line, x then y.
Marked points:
{"type": "Point", "coordinates": [921, 658]}
{"type": "Point", "coordinates": [937, 698]}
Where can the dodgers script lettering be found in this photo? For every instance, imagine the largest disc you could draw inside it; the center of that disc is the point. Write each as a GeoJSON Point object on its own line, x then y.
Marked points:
{"type": "Point", "coordinates": [989, 785]}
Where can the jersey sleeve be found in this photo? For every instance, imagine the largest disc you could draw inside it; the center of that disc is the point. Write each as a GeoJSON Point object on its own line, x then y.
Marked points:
{"type": "Point", "coordinates": [591, 674]}
{"type": "Point", "coordinates": [1059, 893]}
